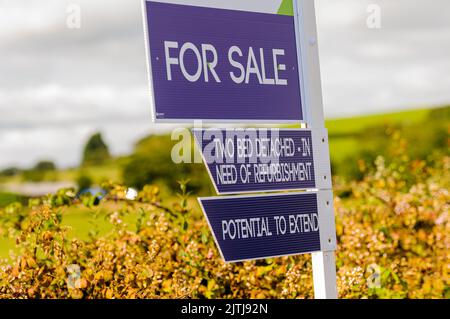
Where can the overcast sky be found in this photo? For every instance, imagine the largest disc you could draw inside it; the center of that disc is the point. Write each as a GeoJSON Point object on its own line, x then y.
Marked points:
{"type": "Point", "coordinates": [59, 85]}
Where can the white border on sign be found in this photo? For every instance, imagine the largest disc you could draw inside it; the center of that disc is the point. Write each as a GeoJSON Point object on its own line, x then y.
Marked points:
{"type": "Point", "coordinates": [148, 59]}
{"type": "Point", "coordinates": [324, 228]}
{"type": "Point", "coordinates": [320, 148]}
{"type": "Point", "coordinates": [301, 67]}
{"type": "Point", "coordinates": [308, 64]}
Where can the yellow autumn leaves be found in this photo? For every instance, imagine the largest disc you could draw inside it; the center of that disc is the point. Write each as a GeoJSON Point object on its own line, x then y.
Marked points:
{"type": "Point", "coordinates": [392, 228]}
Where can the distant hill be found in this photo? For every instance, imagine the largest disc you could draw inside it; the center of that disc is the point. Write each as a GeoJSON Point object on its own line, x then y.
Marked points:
{"type": "Point", "coordinates": [357, 124]}
{"type": "Point", "coordinates": [369, 136]}
{"type": "Point", "coordinates": [351, 139]}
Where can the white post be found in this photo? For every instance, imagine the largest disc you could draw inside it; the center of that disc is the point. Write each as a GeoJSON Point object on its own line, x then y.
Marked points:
{"type": "Point", "coordinates": [324, 263]}
{"type": "Point", "coordinates": [324, 275]}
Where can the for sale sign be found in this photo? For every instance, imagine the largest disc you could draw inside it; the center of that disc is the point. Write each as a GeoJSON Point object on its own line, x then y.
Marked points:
{"type": "Point", "coordinates": [222, 65]}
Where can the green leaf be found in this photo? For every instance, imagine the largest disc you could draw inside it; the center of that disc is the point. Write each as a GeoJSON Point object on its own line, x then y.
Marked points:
{"type": "Point", "coordinates": [204, 238]}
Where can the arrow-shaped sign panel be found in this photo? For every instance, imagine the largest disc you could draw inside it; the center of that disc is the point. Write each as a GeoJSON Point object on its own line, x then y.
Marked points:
{"type": "Point", "coordinates": [263, 160]}
{"type": "Point", "coordinates": [256, 227]}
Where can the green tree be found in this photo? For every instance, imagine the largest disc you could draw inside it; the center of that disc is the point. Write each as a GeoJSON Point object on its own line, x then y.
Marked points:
{"type": "Point", "coordinates": [151, 163]}
{"type": "Point", "coordinates": [96, 151]}
{"type": "Point", "coordinates": [84, 182]}
{"type": "Point", "coordinates": [45, 166]}
{"type": "Point", "coordinates": [43, 170]}
{"type": "Point", "coordinates": [9, 172]}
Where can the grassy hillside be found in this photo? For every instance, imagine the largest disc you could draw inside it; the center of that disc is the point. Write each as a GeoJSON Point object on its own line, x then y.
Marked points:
{"type": "Point", "coordinates": [357, 124]}
{"type": "Point", "coordinates": [345, 139]}
{"type": "Point", "coordinates": [366, 137]}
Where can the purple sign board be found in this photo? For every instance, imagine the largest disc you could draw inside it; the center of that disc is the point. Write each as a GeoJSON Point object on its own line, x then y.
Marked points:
{"type": "Point", "coordinates": [258, 160]}
{"type": "Point", "coordinates": [221, 65]}
{"type": "Point", "coordinates": [255, 227]}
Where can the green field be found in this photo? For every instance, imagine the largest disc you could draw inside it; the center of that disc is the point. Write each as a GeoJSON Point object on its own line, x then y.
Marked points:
{"type": "Point", "coordinates": [98, 174]}
{"type": "Point", "coordinates": [357, 124]}
{"type": "Point", "coordinates": [345, 134]}
{"type": "Point", "coordinates": [8, 198]}
{"type": "Point", "coordinates": [81, 221]}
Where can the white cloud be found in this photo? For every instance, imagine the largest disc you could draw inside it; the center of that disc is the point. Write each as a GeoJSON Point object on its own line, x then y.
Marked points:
{"type": "Point", "coordinates": [52, 104]}
{"type": "Point", "coordinates": [31, 16]}
{"type": "Point", "coordinates": [402, 65]}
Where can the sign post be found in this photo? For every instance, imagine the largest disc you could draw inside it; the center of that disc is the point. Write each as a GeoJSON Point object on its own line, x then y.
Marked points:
{"type": "Point", "coordinates": [250, 61]}
{"type": "Point", "coordinates": [324, 264]}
